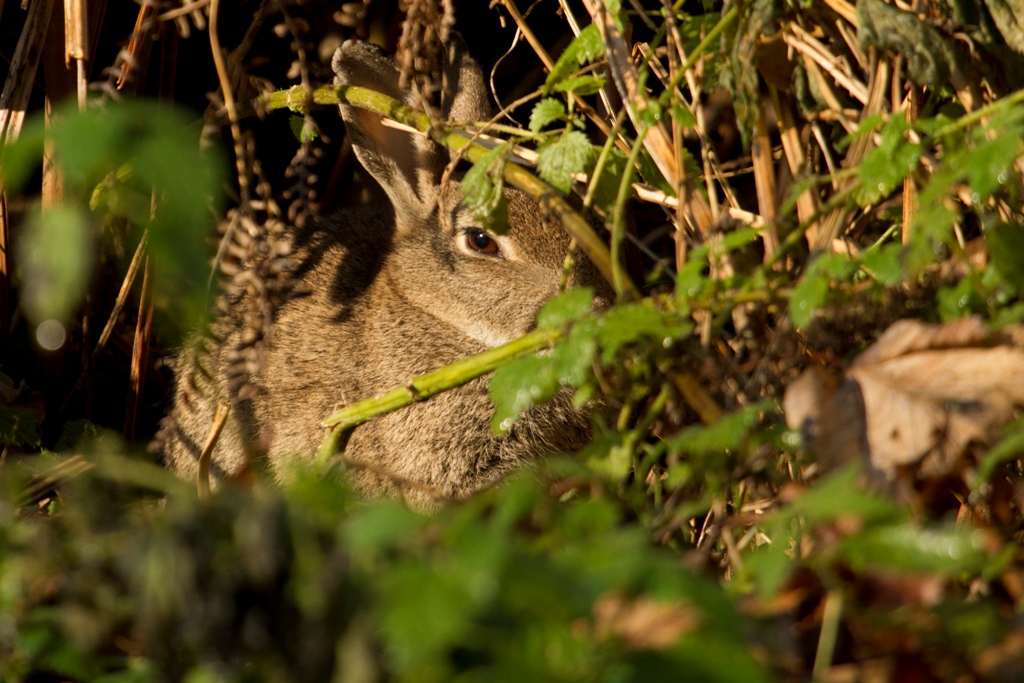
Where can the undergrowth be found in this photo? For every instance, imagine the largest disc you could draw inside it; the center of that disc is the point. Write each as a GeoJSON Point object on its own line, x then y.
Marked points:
{"type": "Point", "coordinates": [779, 183]}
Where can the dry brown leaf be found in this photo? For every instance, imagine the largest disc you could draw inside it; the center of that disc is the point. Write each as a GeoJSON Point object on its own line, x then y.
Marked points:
{"type": "Point", "coordinates": [643, 623]}
{"type": "Point", "coordinates": [920, 394]}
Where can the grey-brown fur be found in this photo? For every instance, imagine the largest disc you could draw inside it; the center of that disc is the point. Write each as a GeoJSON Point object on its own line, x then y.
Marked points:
{"type": "Point", "coordinates": [393, 292]}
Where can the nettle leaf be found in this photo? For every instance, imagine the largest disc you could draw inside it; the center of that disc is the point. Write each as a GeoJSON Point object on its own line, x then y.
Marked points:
{"type": "Point", "coordinates": [812, 291]}
{"type": "Point", "coordinates": [517, 386]}
{"type": "Point", "coordinates": [532, 380]}
{"type": "Point", "coordinates": [884, 264]}
{"type": "Point", "coordinates": [483, 190]}
{"type": "Point", "coordinates": [546, 111]}
{"type": "Point", "coordinates": [607, 191]}
{"type": "Point", "coordinates": [728, 433]}
{"type": "Point", "coordinates": [19, 427]}
{"type": "Point", "coordinates": [652, 113]}
{"type": "Point", "coordinates": [960, 300]}
{"type": "Point", "coordinates": [768, 567]}
{"type": "Point", "coordinates": [628, 324]}
{"type": "Point", "coordinates": [652, 175]}
{"type": "Point", "coordinates": [586, 84]}
{"type": "Point", "coordinates": [987, 164]}
{"type": "Point", "coordinates": [586, 47]}
{"type": "Point", "coordinates": [932, 227]}
{"type": "Point", "coordinates": [1006, 249]}
{"type": "Point", "coordinates": [560, 158]}
{"type": "Point", "coordinates": [692, 279]}
{"type": "Point", "coordinates": [885, 166]}
{"type": "Point", "coordinates": [565, 308]}
{"type": "Point", "coordinates": [683, 116]}
{"type": "Point", "coordinates": [529, 381]}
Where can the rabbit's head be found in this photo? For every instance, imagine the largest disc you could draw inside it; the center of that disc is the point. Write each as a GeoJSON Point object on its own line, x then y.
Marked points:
{"type": "Point", "coordinates": [443, 261]}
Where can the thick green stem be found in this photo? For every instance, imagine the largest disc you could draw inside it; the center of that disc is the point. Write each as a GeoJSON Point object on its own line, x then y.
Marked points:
{"type": "Point", "coordinates": [424, 386]}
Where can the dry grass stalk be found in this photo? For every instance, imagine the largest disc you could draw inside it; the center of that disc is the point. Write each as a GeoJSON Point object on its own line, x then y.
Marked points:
{"type": "Point", "coordinates": [764, 183]}
{"type": "Point", "coordinates": [912, 109]}
{"type": "Point", "coordinates": [834, 223]}
{"type": "Point", "coordinates": [807, 203]}
{"type": "Point", "coordinates": [21, 75]}
{"type": "Point", "coordinates": [140, 355]}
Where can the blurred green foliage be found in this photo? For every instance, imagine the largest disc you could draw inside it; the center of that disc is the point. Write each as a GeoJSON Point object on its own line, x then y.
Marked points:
{"type": "Point", "coordinates": [135, 163]}
{"type": "Point", "coordinates": [678, 545]}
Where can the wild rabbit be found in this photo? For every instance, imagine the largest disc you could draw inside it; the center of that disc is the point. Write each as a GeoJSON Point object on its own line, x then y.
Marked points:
{"type": "Point", "coordinates": [395, 290]}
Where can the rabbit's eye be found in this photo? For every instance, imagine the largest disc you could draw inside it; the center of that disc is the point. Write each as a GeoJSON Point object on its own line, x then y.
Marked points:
{"type": "Point", "coordinates": [479, 241]}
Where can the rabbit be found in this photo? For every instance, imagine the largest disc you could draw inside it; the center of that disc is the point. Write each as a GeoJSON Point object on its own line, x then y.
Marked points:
{"type": "Point", "coordinates": [394, 290]}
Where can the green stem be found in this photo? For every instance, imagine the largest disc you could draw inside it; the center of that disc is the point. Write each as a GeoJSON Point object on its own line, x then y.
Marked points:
{"type": "Point", "coordinates": [619, 278]}
{"type": "Point", "coordinates": [713, 34]}
{"type": "Point", "coordinates": [424, 386]}
{"type": "Point", "coordinates": [793, 238]}
{"type": "Point", "coordinates": [602, 159]}
{"type": "Point", "coordinates": [979, 114]}
{"type": "Point", "coordinates": [548, 198]}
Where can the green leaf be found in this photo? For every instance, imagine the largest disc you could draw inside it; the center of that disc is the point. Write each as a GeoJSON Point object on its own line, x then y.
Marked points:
{"type": "Point", "coordinates": [483, 189]}
{"type": "Point", "coordinates": [57, 261]}
{"type": "Point", "coordinates": [586, 47]}
{"type": "Point", "coordinates": [380, 528]}
{"type": "Point", "coordinates": [728, 433]}
{"type": "Point", "coordinates": [19, 427]}
{"type": "Point", "coordinates": [885, 166]}
{"type": "Point", "coordinates": [546, 111]}
{"type": "Point", "coordinates": [652, 175]}
{"type": "Point", "coordinates": [572, 360]}
{"type": "Point", "coordinates": [768, 567]}
{"type": "Point", "coordinates": [610, 455]}
{"type": "Point", "coordinates": [517, 386]}
{"type": "Point", "coordinates": [652, 113]}
{"type": "Point", "coordinates": [560, 158]}
{"type": "Point", "coordinates": [838, 496]}
{"type": "Point", "coordinates": [424, 613]}
{"type": "Point", "coordinates": [587, 84]}
{"type": "Point", "coordinates": [946, 550]}
{"type": "Point", "coordinates": [683, 116]}
{"type": "Point", "coordinates": [960, 300]}
{"type": "Point", "coordinates": [932, 227]}
{"type": "Point", "coordinates": [565, 308]}
{"type": "Point", "coordinates": [737, 239]}
{"type": "Point", "coordinates": [884, 264]}
{"type": "Point", "coordinates": [627, 324]}
{"type": "Point", "coordinates": [986, 165]}
{"type": "Point", "coordinates": [1006, 249]}
{"type": "Point", "coordinates": [812, 291]}
{"type": "Point", "coordinates": [135, 160]}
{"type": "Point", "coordinates": [606, 193]}
{"type": "Point", "coordinates": [300, 131]}
{"type": "Point", "coordinates": [692, 279]}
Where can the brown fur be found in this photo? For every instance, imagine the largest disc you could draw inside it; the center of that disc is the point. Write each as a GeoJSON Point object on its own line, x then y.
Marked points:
{"type": "Point", "coordinates": [394, 292]}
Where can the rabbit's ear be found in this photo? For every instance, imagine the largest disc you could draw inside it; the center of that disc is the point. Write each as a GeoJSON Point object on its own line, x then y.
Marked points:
{"type": "Point", "coordinates": [464, 92]}
{"type": "Point", "coordinates": [407, 165]}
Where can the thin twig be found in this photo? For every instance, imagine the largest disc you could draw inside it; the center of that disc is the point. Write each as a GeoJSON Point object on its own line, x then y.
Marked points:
{"type": "Point", "coordinates": [229, 103]}
{"type": "Point", "coordinates": [115, 315]}
{"type": "Point", "coordinates": [203, 474]}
